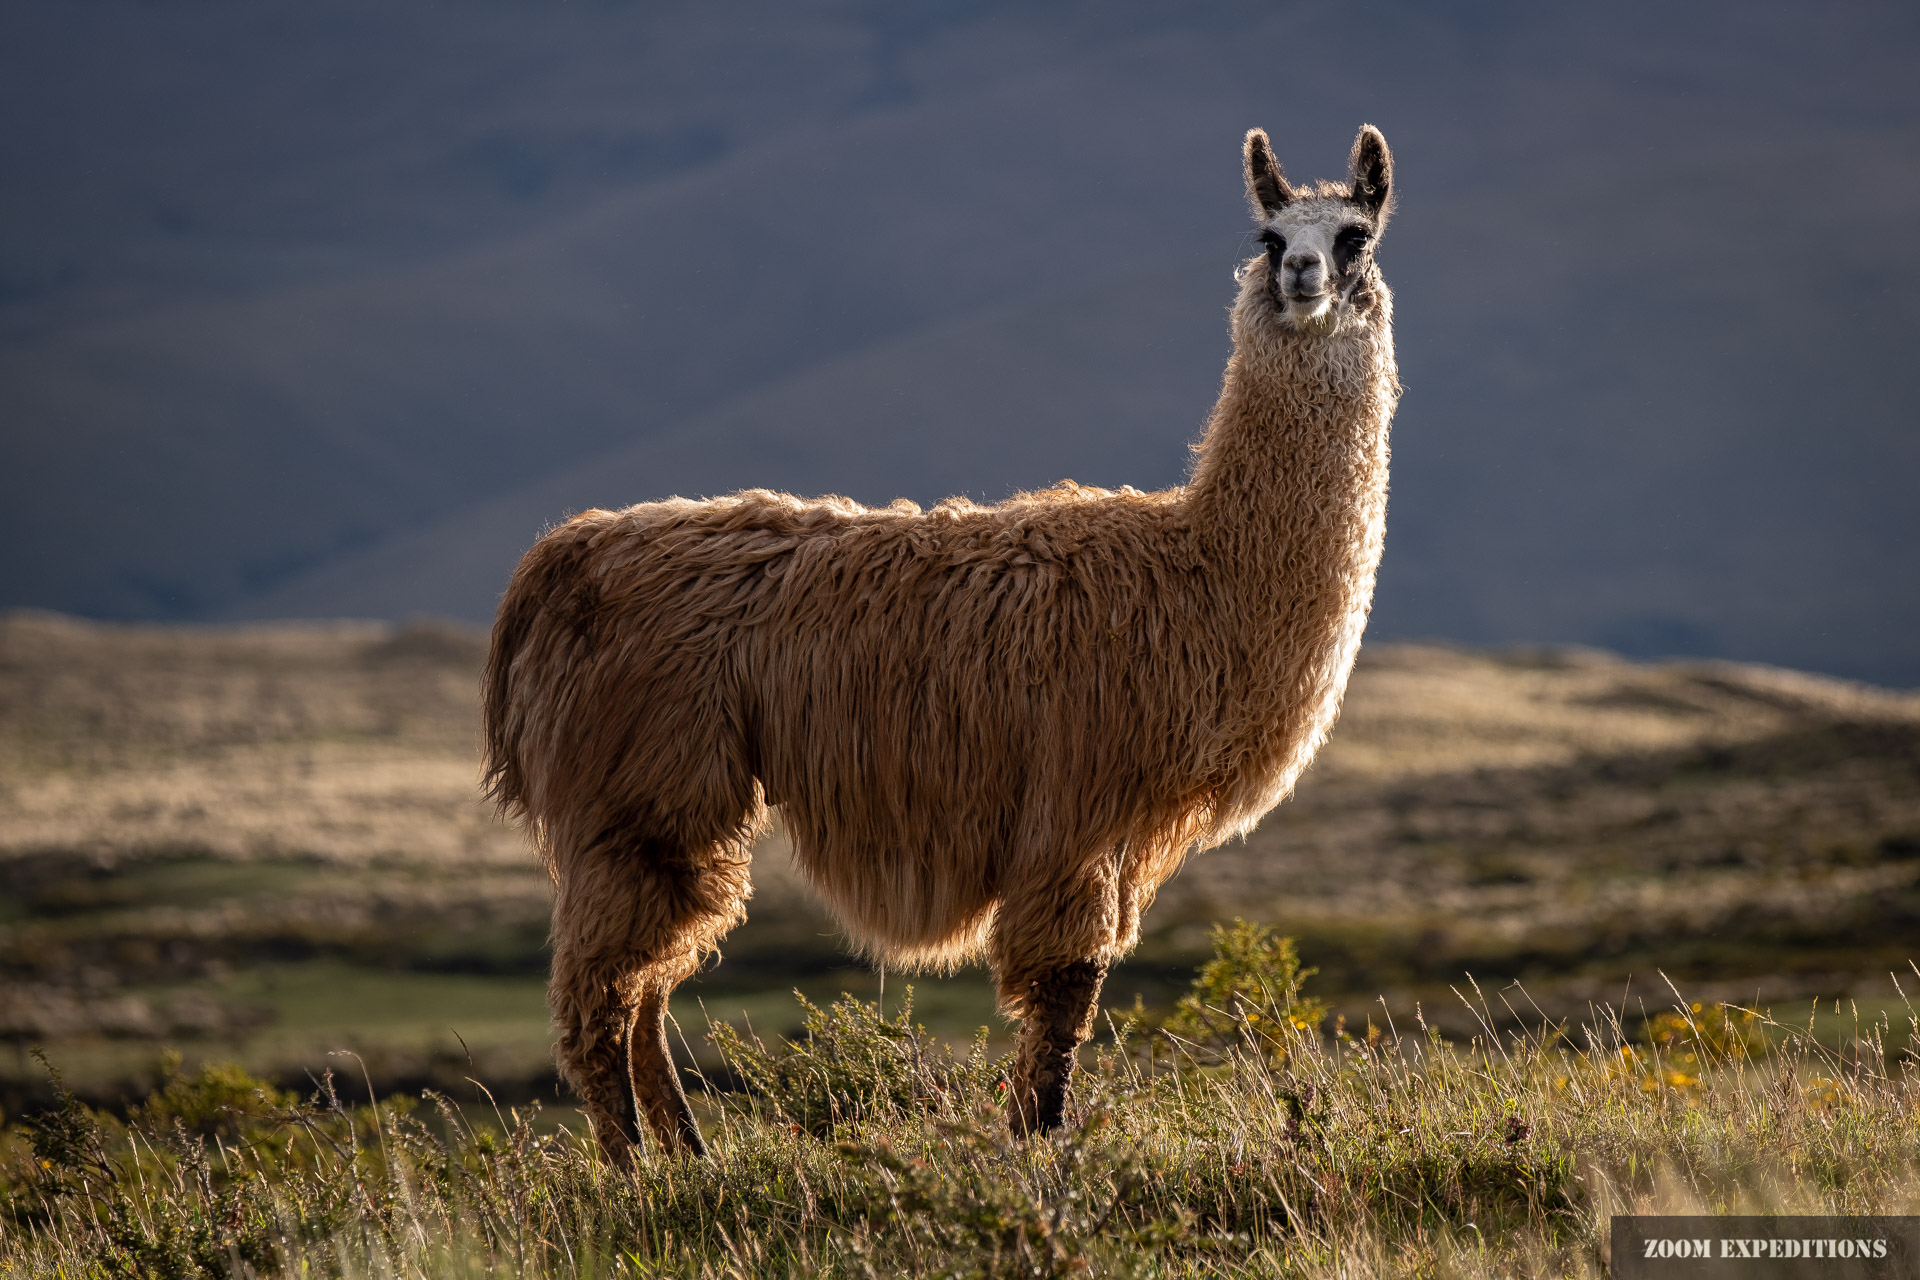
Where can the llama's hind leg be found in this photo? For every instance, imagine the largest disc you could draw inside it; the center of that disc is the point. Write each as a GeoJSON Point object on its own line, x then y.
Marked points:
{"type": "Point", "coordinates": [627, 929]}
{"type": "Point", "coordinates": [588, 999]}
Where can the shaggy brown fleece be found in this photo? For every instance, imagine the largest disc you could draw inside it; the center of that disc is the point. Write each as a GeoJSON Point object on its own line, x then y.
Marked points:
{"type": "Point", "coordinates": [989, 729]}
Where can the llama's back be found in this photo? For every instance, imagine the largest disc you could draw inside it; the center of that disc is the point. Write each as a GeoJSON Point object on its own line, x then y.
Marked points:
{"type": "Point", "coordinates": [923, 692]}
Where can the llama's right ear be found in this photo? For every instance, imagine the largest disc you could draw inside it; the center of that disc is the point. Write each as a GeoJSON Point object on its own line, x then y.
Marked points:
{"type": "Point", "coordinates": [1266, 185]}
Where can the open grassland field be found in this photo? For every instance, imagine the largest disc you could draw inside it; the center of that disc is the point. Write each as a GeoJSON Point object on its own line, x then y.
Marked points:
{"type": "Point", "coordinates": [1229, 1138]}
{"type": "Point", "coordinates": [266, 844]}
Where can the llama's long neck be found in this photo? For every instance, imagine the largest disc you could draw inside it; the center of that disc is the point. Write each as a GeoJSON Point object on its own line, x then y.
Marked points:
{"type": "Point", "coordinates": [1287, 509]}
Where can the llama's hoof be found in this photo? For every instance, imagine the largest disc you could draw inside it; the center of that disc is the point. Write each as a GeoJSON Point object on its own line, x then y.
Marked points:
{"type": "Point", "coordinates": [1024, 1126]}
{"type": "Point", "coordinates": [1038, 1109]}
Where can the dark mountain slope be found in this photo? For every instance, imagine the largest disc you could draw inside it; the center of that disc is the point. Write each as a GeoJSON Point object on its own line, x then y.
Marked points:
{"type": "Point", "coordinates": [293, 298]}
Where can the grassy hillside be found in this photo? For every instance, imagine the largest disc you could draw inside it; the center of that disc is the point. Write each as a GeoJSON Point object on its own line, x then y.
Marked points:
{"type": "Point", "coordinates": [266, 844]}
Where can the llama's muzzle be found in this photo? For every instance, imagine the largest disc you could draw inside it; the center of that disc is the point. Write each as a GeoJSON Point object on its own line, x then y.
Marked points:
{"type": "Point", "coordinates": [1303, 275]}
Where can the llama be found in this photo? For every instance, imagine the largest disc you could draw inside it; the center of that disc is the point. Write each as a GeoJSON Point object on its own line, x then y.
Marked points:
{"type": "Point", "coordinates": [990, 730]}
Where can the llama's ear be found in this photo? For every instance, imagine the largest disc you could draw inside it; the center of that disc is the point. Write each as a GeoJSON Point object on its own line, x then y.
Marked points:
{"type": "Point", "coordinates": [1266, 185]}
{"type": "Point", "coordinates": [1372, 167]}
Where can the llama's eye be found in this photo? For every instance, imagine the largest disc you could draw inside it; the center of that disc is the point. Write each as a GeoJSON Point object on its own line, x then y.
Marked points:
{"type": "Point", "coordinates": [1274, 242]}
{"type": "Point", "coordinates": [1349, 247]}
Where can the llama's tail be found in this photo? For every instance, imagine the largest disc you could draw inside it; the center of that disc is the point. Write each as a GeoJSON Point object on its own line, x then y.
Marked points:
{"type": "Point", "coordinates": [544, 596]}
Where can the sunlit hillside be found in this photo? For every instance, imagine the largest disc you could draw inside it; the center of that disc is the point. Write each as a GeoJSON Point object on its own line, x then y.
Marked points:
{"type": "Point", "coordinates": [268, 844]}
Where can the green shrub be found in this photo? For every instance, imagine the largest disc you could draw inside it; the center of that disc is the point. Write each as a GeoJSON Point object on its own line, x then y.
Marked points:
{"type": "Point", "coordinates": [854, 1063]}
{"type": "Point", "coordinates": [219, 1100]}
{"type": "Point", "coordinates": [1248, 996]}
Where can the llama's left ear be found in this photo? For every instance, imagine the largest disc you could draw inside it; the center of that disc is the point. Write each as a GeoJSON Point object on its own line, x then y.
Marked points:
{"type": "Point", "coordinates": [1372, 166]}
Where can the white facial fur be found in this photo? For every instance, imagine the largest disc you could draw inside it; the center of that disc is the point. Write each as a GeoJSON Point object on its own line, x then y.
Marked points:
{"type": "Point", "coordinates": [1306, 278]}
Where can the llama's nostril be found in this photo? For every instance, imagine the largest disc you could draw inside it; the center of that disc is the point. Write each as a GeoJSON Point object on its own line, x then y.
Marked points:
{"type": "Point", "coordinates": [1302, 262]}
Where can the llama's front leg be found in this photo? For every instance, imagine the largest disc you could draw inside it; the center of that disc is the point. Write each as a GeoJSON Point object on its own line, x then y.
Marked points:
{"type": "Point", "coordinates": [656, 1084]}
{"type": "Point", "coordinates": [1060, 1007]}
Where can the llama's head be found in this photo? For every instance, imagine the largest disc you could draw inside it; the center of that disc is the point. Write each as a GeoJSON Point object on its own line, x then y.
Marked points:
{"type": "Point", "coordinates": [1317, 241]}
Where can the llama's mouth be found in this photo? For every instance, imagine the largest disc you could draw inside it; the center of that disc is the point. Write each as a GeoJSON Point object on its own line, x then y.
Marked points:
{"type": "Point", "coordinates": [1307, 306]}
